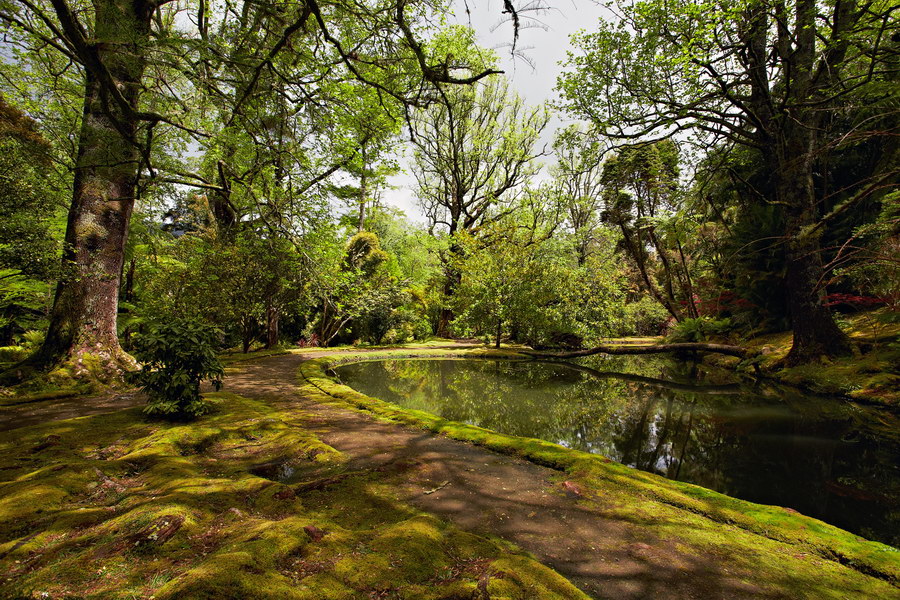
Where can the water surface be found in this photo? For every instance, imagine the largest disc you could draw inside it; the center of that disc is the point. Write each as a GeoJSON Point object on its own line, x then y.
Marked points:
{"type": "Point", "coordinates": [826, 458]}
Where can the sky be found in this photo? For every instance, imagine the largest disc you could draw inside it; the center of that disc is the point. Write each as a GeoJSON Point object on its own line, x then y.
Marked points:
{"type": "Point", "coordinates": [545, 45]}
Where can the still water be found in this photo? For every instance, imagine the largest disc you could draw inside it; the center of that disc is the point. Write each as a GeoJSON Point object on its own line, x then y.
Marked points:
{"type": "Point", "coordinates": [824, 457]}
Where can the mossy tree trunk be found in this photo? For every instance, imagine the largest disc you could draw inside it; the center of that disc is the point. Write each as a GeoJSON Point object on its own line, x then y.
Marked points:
{"type": "Point", "coordinates": [83, 317]}
{"type": "Point", "coordinates": [815, 332]}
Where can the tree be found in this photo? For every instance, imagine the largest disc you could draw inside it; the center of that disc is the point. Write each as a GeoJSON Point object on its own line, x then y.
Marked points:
{"type": "Point", "coordinates": [639, 189]}
{"type": "Point", "coordinates": [771, 75]}
{"type": "Point", "coordinates": [28, 246]}
{"type": "Point", "coordinates": [358, 292]}
{"type": "Point", "coordinates": [118, 45]}
{"type": "Point", "coordinates": [473, 151]}
{"type": "Point", "coordinates": [578, 185]}
{"type": "Point", "coordinates": [520, 277]}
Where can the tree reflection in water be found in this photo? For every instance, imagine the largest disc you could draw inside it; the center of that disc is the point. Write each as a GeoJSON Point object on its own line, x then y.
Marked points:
{"type": "Point", "coordinates": [823, 457]}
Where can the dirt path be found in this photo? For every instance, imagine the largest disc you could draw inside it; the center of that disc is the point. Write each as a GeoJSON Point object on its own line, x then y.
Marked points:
{"type": "Point", "coordinates": [13, 416]}
{"type": "Point", "coordinates": [488, 493]}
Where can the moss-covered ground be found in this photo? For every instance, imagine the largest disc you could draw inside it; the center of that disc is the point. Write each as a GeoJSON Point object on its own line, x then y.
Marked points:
{"type": "Point", "coordinates": [118, 506]}
{"type": "Point", "coordinates": [871, 374]}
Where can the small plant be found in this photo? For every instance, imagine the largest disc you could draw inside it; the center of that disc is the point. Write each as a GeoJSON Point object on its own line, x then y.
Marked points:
{"type": "Point", "coordinates": [176, 356]}
{"type": "Point", "coordinates": [32, 339]}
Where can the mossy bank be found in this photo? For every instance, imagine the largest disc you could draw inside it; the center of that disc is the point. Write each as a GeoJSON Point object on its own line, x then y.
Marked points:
{"type": "Point", "coordinates": [774, 548]}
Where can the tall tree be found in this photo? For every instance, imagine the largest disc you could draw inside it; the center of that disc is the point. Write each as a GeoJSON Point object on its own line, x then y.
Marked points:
{"type": "Point", "coordinates": [771, 75]}
{"type": "Point", "coordinates": [578, 185]}
{"type": "Point", "coordinates": [117, 43]}
{"type": "Point", "coordinates": [473, 150]}
{"type": "Point", "coordinates": [639, 188]}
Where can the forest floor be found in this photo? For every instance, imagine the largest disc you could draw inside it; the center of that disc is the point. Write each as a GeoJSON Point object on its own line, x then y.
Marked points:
{"type": "Point", "coordinates": [302, 488]}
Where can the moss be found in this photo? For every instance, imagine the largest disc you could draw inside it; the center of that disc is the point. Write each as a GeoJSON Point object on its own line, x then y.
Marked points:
{"type": "Point", "coordinates": [230, 358]}
{"type": "Point", "coordinates": [45, 395]}
{"type": "Point", "coordinates": [870, 375]}
{"type": "Point", "coordinates": [83, 500]}
{"type": "Point", "coordinates": [797, 555]}
{"type": "Point", "coordinates": [81, 374]}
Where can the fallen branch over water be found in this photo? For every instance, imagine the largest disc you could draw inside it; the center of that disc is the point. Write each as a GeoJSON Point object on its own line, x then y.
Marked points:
{"type": "Point", "coordinates": [727, 388]}
{"type": "Point", "coordinates": [647, 349]}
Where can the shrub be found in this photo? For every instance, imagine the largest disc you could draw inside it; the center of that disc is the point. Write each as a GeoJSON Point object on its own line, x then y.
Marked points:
{"type": "Point", "coordinates": [644, 317]}
{"type": "Point", "coordinates": [700, 329]}
{"type": "Point", "coordinates": [176, 356]}
{"type": "Point", "coordinates": [32, 339]}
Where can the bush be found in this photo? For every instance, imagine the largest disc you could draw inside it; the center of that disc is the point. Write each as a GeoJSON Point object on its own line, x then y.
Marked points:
{"type": "Point", "coordinates": [644, 317]}
{"type": "Point", "coordinates": [13, 354]}
{"type": "Point", "coordinates": [700, 329]}
{"type": "Point", "coordinates": [176, 356]}
{"type": "Point", "coordinates": [33, 339]}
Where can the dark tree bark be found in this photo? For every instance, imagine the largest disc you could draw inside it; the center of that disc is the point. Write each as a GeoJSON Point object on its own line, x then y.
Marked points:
{"type": "Point", "coordinates": [273, 318]}
{"type": "Point", "coordinates": [83, 318]}
{"type": "Point", "coordinates": [815, 332]}
{"type": "Point", "coordinates": [128, 297]}
{"type": "Point", "coordinates": [452, 281]}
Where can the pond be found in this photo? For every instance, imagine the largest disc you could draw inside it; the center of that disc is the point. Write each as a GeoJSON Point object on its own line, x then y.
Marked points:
{"type": "Point", "coordinates": [824, 457]}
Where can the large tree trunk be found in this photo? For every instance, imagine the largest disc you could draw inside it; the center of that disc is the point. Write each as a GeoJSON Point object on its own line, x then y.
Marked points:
{"type": "Point", "coordinates": [815, 332]}
{"type": "Point", "coordinates": [453, 279]}
{"type": "Point", "coordinates": [83, 318]}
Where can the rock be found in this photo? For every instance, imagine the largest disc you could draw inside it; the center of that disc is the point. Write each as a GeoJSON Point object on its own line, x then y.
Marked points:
{"type": "Point", "coordinates": [571, 489]}
{"type": "Point", "coordinates": [314, 533]}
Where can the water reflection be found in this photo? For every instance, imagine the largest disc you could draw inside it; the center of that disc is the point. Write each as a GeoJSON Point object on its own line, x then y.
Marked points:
{"type": "Point", "coordinates": [823, 457]}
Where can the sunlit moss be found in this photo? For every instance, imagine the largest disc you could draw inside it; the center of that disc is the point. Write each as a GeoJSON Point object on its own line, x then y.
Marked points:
{"type": "Point", "coordinates": [78, 494]}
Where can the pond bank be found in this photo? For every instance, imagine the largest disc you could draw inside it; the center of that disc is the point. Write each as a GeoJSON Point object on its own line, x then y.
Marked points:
{"type": "Point", "coordinates": [697, 519]}
{"type": "Point", "coordinates": [871, 375]}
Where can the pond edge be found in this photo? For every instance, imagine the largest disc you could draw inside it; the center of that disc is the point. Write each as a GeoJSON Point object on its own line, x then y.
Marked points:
{"type": "Point", "coordinates": [780, 524]}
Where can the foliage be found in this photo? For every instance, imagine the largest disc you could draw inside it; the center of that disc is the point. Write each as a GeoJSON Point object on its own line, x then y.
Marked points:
{"type": "Point", "coordinates": [644, 317]}
{"type": "Point", "coordinates": [700, 329]}
{"type": "Point", "coordinates": [176, 355]}
{"type": "Point", "coordinates": [242, 285]}
{"type": "Point", "coordinates": [796, 83]}
{"type": "Point", "coordinates": [29, 249]}
{"type": "Point", "coordinates": [536, 290]}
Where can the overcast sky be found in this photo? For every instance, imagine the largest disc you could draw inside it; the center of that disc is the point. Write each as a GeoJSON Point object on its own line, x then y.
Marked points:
{"type": "Point", "coordinates": [545, 47]}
